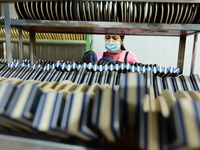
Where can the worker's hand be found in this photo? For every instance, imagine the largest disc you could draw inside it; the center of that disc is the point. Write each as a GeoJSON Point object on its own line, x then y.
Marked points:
{"type": "Point", "coordinates": [90, 57]}
{"type": "Point", "coordinates": [105, 60]}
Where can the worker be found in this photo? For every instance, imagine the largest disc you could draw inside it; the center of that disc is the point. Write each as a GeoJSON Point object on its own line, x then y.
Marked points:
{"type": "Point", "coordinates": [115, 52]}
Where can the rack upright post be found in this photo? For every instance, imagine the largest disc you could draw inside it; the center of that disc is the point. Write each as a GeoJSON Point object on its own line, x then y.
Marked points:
{"type": "Point", "coordinates": [21, 53]}
{"type": "Point", "coordinates": [194, 53]}
{"type": "Point", "coordinates": [8, 51]}
{"type": "Point", "coordinates": [32, 48]}
{"type": "Point", "coordinates": [181, 53]}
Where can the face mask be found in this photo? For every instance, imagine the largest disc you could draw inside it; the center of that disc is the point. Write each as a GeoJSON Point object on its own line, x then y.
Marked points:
{"type": "Point", "coordinates": [112, 47]}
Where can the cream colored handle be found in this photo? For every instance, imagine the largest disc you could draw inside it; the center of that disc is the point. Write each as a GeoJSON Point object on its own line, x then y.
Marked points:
{"type": "Point", "coordinates": [194, 95]}
{"type": "Point", "coordinates": [182, 94]}
{"type": "Point", "coordinates": [62, 84]}
{"type": "Point", "coordinates": [82, 87]}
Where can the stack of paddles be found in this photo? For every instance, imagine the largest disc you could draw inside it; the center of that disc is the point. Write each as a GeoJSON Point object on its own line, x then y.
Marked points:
{"type": "Point", "coordinates": [170, 118]}
{"type": "Point", "coordinates": [129, 114]}
{"type": "Point", "coordinates": [63, 109]}
{"type": "Point", "coordinates": [48, 71]}
{"type": "Point", "coordinates": [145, 110]}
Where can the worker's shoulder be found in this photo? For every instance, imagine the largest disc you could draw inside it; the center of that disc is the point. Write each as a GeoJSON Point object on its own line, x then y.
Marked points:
{"type": "Point", "coordinates": [100, 54]}
{"type": "Point", "coordinates": [131, 54]}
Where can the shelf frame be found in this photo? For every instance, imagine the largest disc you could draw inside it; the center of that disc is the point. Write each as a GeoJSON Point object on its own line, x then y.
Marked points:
{"type": "Point", "coordinates": [33, 26]}
{"type": "Point", "coordinates": [47, 41]}
{"type": "Point", "coordinates": [100, 27]}
{"type": "Point", "coordinates": [8, 51]}
{"type": "Point", "coordinates": [94, 27]}
{"type": "Point", "coordinates": [32, 144]}
{"type": "Point", "coordinates": [97, 27]}
{"type": "Point", "coordinates": [181, 52]}
{"type": "Point", "coordinates": [195, 43]}
{"type": "Point", "coordinates": [21, 50]}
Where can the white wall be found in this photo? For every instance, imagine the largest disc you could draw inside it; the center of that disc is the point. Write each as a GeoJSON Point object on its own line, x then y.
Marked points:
{"type": "Point", "coordinates": [160, 50]}
{"type": "Point", "coordinates": [11, 10]}
{"type": "Point", "coordinates": [197, 59]}
{"type": "Point", "coordinates": [188, 54]}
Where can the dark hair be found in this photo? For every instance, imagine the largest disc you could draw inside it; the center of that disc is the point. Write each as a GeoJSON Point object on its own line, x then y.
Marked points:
{"type": "Point", "coordinates": [122, 46]}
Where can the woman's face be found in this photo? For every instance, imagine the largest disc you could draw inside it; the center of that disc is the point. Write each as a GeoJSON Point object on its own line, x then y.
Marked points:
{"type": "Point", "coordinates": [113, 38]}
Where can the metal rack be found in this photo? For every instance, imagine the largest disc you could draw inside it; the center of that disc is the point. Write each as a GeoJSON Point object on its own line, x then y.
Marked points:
{"type": "Point", "coordinates": [93, 27]}
{"type": "Point", "coordinates": [32, 38]}
{"type": "Point", "coordinates": [45, 38]}
{"type": "Point", "coordinates": [24, 144]}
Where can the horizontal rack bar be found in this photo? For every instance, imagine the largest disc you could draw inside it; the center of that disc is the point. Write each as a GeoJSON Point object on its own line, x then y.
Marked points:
{"type": "Point", "coordinates": [97, 27]}
{"type": "Point", "coordinates": [48, 41]}
{"type": "Point", "coordinates": [32, 144]}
